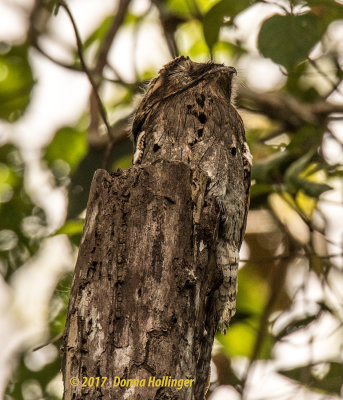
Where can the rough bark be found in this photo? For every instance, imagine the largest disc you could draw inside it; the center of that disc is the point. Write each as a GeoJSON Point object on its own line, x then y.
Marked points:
{"type": "Point", "coordinates": [157, 267]}
{"type": "Point", "coordinates": [142, 300]}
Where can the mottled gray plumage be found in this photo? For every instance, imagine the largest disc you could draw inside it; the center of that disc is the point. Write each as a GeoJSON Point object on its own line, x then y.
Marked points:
{"type": "Point", "coordinates": [187, 115]}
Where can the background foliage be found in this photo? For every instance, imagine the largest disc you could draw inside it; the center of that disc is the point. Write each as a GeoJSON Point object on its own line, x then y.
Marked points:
{"type": "Point", "coordinates": [292, 255]}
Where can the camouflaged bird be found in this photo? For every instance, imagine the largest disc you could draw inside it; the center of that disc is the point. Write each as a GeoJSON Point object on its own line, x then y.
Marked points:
{"type": "Point", "coordinates": [187, 115]}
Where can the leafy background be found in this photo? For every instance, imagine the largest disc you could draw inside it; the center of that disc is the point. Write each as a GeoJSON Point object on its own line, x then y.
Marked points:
{"type": "Point", "coordinates": [69, 79]}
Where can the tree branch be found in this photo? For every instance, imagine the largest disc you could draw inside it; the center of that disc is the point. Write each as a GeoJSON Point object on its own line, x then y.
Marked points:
{"type": "Point", "coordinates": [70, 67]}
{"type": "Point", "coordinates": [287, 109]}
{"type": "Point", "coordinates": [101, 107]}
{"type": "Point", "coordinates": [169, 23]}
{"type": "Point", "coordinates": [334, 85]}
{"type": "Point", "coordinates": [116, 24]}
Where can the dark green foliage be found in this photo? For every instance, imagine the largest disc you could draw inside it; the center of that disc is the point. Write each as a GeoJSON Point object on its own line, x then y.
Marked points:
{"type": "Point", "coordinates": [24, 376]}
{"type": "Point", "coordinates": [330, 382]}
{"type": "Point", "coordinates": [288, 39]}
{"type": "Point", "coordinates": [17, 244]}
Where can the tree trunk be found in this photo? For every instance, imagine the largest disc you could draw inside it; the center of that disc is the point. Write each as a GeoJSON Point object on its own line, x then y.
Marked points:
{"type": "Point", "coordinates": [157, 265]}
{"type": "Point", "coordinates": [141, 306]}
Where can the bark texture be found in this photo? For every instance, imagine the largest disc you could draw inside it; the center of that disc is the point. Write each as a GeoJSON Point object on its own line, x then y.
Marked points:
{"type": "Point", "coordinates": [157, 265]}
{"type": "Point", "coordinates": [142, 301]}
{"type": "Point", "coordinates": [187, 115]}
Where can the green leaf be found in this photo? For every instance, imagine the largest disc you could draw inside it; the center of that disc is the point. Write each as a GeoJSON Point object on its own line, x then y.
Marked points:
{"type": "Point", "coordinates": [313, 189]}
{"type": "Point", "coordinates": [72, 227]}
{"type": "Point", "coordinates": [24, 375]}
{"type": "Point", "coordinates": [288, 39]}
{"type": "Point", "coordinates": [229, 49]}
{"type": "Point", "coordinates": [15, 207]}
{"type": "Point", "coordinates": [297, 167]}
{"type": "Point", "coordinates": [178, 7]}
{"type": "Point", "coordinates": [307, 137]}
{"type": "Point", "coordinates": [330, 383]}
{"type": "Point", "coordinates": [123, 162]}
{"type": "Point", "coordinates": [263, 170]}
{"type": "Point", "coordinates": [295, 181]}
{"type": "Point", "coordinates": [16, 81]}
{"type": "Point", "coordinates": [69, 145]}
{"type": "Point", "coordinates": [260, 189]}
{"type": "Point", "coordinates": [214, 18]}
{"type": "Point", "coordinates": [252, 292]}
{"type": "Point", "coordinates": [205, 5]}
{"type": "Point", "coordinates": [240, 340]}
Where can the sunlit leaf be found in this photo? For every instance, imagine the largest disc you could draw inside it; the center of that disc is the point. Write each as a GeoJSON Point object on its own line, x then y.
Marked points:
{"type": "Point", "coordinates": [179, 7]}
{"type": "Point", "coordinates": [190, 40]}
{"type": "Point", "coordinates": [306, 203]}
{"type": "Point", "coordinates": [72, 227]}
{"type": "Point", "coordinates": [252, 291]}
{"type": "Point", "coordinates": [228, 49]}
{"type": "Point", "coordinates": [124, 162]}
{"type": "Point", "coordinates": [288, 39]}
{"type": "Point", "coordinates": [69, 144]}
{"type": "Point", "coordinates": [205, 5]}
{"type": "Point", "coordinates": [16, 81]}
{"type": "Point", "coordinates": [240, 340]}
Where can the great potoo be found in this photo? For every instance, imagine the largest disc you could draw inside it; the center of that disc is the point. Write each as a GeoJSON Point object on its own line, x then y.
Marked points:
{"type": "Point", "coordinates": [187, 115]}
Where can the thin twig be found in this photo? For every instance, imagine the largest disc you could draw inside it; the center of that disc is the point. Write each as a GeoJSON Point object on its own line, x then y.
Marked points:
{"type": "Point", "coordinates": [336, 118]}
{"type": "Point", "coordinates": [287, 256]}
{"type": "Point", "coordinates": [275, 3]}
{"type": "Point", "coordinates": [167, 30]}
{"type": "Point", "coordinates": [287, 109]}
{"type": "Point", "coordinates": [334, 85]}
{"type": "Point", "coordinates": [194, 9]}
{"type": "Point", "coordinates": [101, 107]}
{"type": "Point", "coordinates": [116, 24]}
{"type": "Point", "coordinates": [70, 67]}
{"type": "Point", "coordinates": [51, 341]}
{"type": "Point", "coordinates": [100, 64]}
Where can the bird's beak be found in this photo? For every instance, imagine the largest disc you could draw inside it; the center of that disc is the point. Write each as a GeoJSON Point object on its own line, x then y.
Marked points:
{"type": "Point", "coordinates": [232, 70]}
